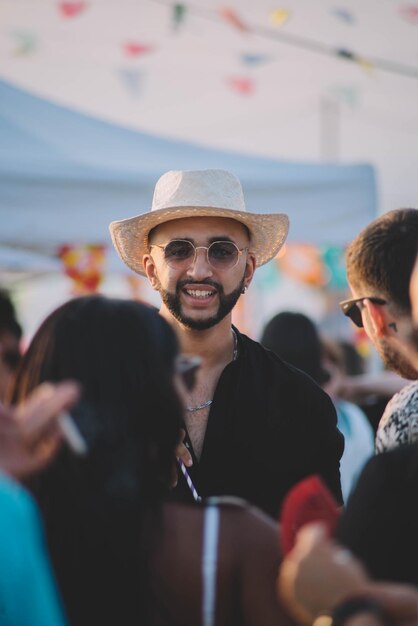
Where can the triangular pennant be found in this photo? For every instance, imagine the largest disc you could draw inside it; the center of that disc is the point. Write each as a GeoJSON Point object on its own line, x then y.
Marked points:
{"type": "Point", "coordinates": [366, 65]}
{"type": "Point", "coordinates": [72, 9]}
{"type": "Point", "coordinates": [232, 18]}
{"type": "Point", "coordinates": [245, 86]}
{"type": "Point", "coordinates": [344, 15]}
{"type": "Point", "coordinates": [279, 16]}
{"type": "Point", "coordinates": [136, 49]}
{"type": "Point", "coordinates": [410, 12]}
{"type": "Point", "coordinates": [254, 59]}
{"type": "Point", "coordinates": [26, 43]}
{"type": "Point", "coordinates": [179, 14]}
{"type": "Point", "coordinates": [131, 79]}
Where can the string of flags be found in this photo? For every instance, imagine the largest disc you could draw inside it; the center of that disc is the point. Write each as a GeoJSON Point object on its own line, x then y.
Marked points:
{"type": "Point", "coordinates": [27, 43]}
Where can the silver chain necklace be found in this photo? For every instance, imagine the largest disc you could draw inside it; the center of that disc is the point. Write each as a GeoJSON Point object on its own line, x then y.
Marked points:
{"type": "Point", "coordinates": [204, 405]}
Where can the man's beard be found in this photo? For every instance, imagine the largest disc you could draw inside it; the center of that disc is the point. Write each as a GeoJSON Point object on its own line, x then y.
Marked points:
{"type": "Point", "coordinates": [395, 361]}
{"type": "Point", "coordinates": [226, 303]}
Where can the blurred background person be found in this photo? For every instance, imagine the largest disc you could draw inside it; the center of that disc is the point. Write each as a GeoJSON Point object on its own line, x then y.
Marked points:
{"type": "Point", "coordinates": [295, 338]}
{"type": "Point", "coordinates": [10, 337]}
{"type": "Point", "coordinates": [352, 421]}
{"type": "Point", "coordinates": [30, 436]}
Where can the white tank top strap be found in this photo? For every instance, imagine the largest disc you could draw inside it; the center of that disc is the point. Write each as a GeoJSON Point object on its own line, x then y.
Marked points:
{"type": "Point", "coordinates": [210, 563]}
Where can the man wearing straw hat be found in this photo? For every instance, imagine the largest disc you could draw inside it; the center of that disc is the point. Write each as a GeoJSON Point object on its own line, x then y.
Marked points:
{"type": "Point", "coordinates": [254, 425]}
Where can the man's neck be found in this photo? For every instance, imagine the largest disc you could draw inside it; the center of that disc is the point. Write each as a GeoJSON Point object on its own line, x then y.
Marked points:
{"type": "Point", "coordinates": [213, 345]}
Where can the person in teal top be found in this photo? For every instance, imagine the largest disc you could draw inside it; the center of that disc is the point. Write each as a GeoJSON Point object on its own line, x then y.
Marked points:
{"type": "Point", "coordinates": [28, 594]}
{"type": "Point", "coordinates": [29, 438]}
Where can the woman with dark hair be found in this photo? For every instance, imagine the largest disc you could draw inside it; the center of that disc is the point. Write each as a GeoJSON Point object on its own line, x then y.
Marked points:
{"type": "Point", "coordinates": [121, 551]}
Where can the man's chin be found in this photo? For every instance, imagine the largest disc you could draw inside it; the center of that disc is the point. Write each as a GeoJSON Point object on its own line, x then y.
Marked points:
{"type": "Point", "coordinates": [197, 324]}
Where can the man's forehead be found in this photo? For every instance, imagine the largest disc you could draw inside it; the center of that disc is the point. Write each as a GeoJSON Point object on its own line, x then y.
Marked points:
{"type": "Point", "coordinates": [200, 226]}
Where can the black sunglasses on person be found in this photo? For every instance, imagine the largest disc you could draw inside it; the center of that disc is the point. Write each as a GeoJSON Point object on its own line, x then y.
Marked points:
{"type": "Point", "coordinates": [352, 308]}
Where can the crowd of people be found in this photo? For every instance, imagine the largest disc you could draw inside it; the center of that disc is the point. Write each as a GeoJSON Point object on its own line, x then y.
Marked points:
{"type": "Point", "coordinates": [155, 449]}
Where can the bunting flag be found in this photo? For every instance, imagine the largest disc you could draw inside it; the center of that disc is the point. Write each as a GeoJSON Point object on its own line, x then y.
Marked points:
{"type": "Point", "coordinates": [333, 258]}
{"type": "Point", "coordinates": [348, 55]}
{"type": "Point", "coordinates": [366, 65]}
{"type": "Point", "coordinates": [132, 79]}
{"type": "Point", "coordinates": [26, 43]}
{"type": "Point", "coordinates": [410, 12]}
{"type": "Point", "coordinates": [232, 18]}
{"type": "Point", "coordinates": [242, 85]}
{"type": "Point", "coordinates": [254, 59]}
{"type": "Point", "coordinates": [179, 14]}
{"type": "Point", "coordinates": [279, 16]}
{"type": "Point", "coordinates": [303, 262]}
{"type": "Point", "coordinates": [84, 265]}
{"type": "Point", "coordinates": [344, 15]}
{"type": "Point", "coordinates": [268, 276]}
{"type": "Point", "coordinates": [136, 49]}
{"type": "Point", "coordinates": [72, 9]}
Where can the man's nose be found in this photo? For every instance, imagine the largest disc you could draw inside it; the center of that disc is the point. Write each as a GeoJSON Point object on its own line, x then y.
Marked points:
{"type": "Point", "coordinates": [200, 268]}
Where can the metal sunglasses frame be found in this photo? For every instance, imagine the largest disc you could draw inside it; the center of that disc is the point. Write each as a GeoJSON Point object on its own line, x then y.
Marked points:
{"type": "Point", "coordinates": [196, 248]}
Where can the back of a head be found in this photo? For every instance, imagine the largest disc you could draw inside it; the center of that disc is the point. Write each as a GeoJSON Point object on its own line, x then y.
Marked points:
{"type": "Point", "coordinates": [382, 256]}
{"type": "Point", "coordinates": [8, 317]}
{"type": "Point", "coordinates": [295, 339]}
{"type": "Point", "coordinates": [123, 355]}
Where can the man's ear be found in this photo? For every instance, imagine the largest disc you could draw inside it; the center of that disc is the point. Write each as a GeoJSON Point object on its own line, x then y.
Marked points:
{"type": "Point", "coordinates": [378, 319]}
{"type": "Point", "coordinates": [150, 270]}
{"type": "Point", "coordinates": [249, 269]}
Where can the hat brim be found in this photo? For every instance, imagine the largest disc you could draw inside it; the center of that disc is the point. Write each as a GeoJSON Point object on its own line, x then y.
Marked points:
{"type": "Point", "coordinates": [130, 236]}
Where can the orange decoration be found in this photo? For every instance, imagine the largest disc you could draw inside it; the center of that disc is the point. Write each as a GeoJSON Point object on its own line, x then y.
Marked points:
{"type": "Point", "coordinates": [303, 262]}
{"type": "Point", "coordinates": [84, 265]}
{"type": "Point", "coordinates": [230, 16]}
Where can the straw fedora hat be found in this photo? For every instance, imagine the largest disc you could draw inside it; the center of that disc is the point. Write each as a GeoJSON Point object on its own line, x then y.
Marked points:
{"type": "Point", "coordinates": [202, 193]}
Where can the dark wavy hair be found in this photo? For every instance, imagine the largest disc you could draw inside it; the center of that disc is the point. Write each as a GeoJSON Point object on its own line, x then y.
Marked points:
{"type": "Point", "coordinates": [97, 509]}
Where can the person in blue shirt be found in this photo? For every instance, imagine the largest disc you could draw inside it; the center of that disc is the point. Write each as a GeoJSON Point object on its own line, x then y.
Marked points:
{"type": "Point", "coordinates": [29, 438]}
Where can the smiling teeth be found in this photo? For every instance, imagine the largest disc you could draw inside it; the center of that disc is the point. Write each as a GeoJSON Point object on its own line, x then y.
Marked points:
{"type": "Point", "coordinates": [198, 294]}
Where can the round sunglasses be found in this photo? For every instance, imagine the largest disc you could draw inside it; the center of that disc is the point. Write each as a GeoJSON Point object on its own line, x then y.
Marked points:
{"type": "Point", "coordinates": [180, 254]}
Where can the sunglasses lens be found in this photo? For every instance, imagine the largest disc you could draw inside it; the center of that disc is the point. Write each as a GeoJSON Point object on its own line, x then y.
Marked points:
{"type": "Point", "coordinates": [354, 313]}
{"type": "Point", "coordinates": [223, 254]}
{"type": "Point", "coordinates": [177, 253]}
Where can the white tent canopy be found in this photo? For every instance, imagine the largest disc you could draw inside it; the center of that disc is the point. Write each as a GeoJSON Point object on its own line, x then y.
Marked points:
{"type": "Point", "coordinates": [65, 176]}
